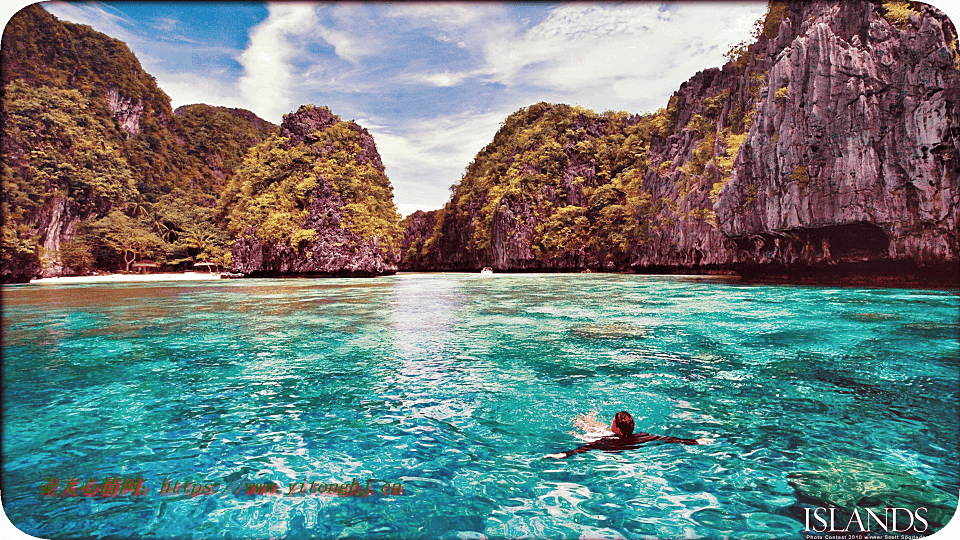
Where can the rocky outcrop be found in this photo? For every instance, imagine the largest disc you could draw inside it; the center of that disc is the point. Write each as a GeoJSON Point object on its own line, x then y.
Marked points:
{"type": "Point", "coordinates": [849, 164]}
{"type": "Point", "coordinates": [538, 184]}
{"type": "Point", "coordinates": [125, 110]}
{"type": "Point", "coordinates": [56, 227]}
{"type": "Point", "coordinates": [19, 266]}
{"type": "Point", "coordinates": [335, 252]}
{"type": "Point", "coordinates": [854, 153]}
{"type": "Point", "coordinates": [829, 145]}
{"type": "Point", "coordinates": [851, 157]}
{"type": "Point", "coordinates": [339, 219]}
{"type": "Point", "coordinates": [307, 125]}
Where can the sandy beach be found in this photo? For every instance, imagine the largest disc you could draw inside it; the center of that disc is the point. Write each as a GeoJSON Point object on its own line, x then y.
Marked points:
{"type": "Point", "coordinates": [116, 278]}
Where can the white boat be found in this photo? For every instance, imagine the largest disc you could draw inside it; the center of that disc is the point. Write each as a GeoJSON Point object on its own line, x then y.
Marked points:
{"type": "Point", "coordinates": [486, 270]}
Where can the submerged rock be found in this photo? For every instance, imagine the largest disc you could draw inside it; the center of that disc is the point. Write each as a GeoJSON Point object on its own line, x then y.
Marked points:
{"type": "Point", "coordinates": [849, 483]}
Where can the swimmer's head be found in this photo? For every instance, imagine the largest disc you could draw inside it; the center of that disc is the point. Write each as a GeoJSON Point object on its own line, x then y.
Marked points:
{"type": "Point", "coordinates": [622, 424]}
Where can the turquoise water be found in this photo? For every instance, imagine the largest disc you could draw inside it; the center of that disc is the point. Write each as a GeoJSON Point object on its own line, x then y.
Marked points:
{"type": "Point", "coordinates": [454, 386]}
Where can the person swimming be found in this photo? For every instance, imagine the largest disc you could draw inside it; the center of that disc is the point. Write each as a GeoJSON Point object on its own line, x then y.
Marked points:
{"type": "Point", "coordinates": [623, 438]}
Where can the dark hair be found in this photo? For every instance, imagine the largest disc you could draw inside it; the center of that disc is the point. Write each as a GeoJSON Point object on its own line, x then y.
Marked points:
{"type": "Point", "coordinates": [624, 423]}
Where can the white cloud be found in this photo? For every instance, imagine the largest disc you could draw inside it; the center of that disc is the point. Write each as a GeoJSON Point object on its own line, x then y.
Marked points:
{"type": "Point", "coordinates": [441, 79]}
{"type": "Point", "coordinates": [605, 56]}
{"type": "Point", "coordinates": [97, 16]}
{"type": "Point", "coordinates": [266, 85]}
{"type": "Point", "coordinates": [425, 157]}
{"type": "Point", "coordinates": [354, 34]}
{"type": "Point", "coordinates": [344, 45]}
{"type": "Point", "coordinates": [166, 24]}
{"type": "Point", "coordinates": [447, 14]}
{"type": "Point", "coordinates": [627, 50]}
{"type": "Point", "coordinates": [189, 88]}
{"type": "Point", "coordinates": [470, 26]}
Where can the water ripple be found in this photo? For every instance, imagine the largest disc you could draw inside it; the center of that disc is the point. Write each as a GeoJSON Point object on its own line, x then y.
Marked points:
{"type": "Point", "coordinates": [455, 386]}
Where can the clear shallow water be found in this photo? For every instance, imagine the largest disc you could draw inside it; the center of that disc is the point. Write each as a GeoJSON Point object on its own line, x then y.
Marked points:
{"type": "Point", "coordinates": [455, 386]}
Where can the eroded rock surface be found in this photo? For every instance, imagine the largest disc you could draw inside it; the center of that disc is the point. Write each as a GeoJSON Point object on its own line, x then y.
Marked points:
{"type": "Point", "coordinates": [854, 150]}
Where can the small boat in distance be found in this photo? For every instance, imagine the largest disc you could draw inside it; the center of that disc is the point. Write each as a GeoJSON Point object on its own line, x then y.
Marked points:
{"type": "Point", "coordinates": [487, 270]}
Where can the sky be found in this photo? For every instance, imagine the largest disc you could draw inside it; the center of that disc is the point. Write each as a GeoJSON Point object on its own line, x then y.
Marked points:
{"type": "Point", "coordinates": [431, 82]}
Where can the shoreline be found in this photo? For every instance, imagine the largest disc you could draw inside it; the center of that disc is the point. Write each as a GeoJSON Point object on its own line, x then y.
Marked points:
{"type": "Point", "coordinates": [127, 278]}
{"type": "Point", "coordinates": [816, 279]}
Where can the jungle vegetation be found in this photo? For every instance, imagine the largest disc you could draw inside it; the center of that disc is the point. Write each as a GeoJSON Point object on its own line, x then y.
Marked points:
{"type": "Point", "coordinates": [150, 194]}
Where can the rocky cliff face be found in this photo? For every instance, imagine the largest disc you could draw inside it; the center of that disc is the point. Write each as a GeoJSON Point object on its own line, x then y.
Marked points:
{"type": "Point", "coordinates": [855, 149]}
{"type": "Point", "coordinates": [313, 201]}
{"type": "Point", "coordinates": [335, 250]}
{"type": "Point", "coordinates": [125, 110]}
{"type": "Point", "coordinates": [549, 193]}
{"type": "Point", "coordinates": [831, 143]}
{"type": "Point", "coordinates": [71, 98]}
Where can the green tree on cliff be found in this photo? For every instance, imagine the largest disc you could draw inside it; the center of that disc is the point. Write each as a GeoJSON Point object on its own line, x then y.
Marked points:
{"type": "Point", "coordinates": [579, 171]}
{"type": "Point", "coordinates": [278, 181]}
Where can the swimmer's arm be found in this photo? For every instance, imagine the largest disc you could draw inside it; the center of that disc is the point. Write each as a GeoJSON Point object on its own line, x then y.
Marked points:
{"type": "Point", "coordinates": [646, 437]}
{"type": "Point", "coordinates": [568, 453]}
{"type": "Point", "coordinates": [591, 446]}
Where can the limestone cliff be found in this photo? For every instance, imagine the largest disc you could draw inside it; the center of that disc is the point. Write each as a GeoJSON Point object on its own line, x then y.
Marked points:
{"type": "Point", "coordinates": [854, 152]}
{"type": "Point", "coordinates": [549, 193]}
{"type": "Point", "coordinates": [84, 128]}
{"type": "Point", "coordinates": [313, 201]}
{"type": "Point", "coordinates": [830, 144]}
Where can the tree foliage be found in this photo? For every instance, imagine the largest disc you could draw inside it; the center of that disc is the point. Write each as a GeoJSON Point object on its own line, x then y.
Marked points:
{"type": "Point", "coordinates": [277, 184]}
{"type": "Point", "coordinates": [580, 172]}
